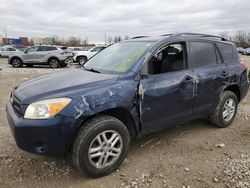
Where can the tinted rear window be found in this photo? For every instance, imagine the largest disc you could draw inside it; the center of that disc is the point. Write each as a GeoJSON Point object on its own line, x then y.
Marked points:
{"type": "Point", "coordinates": [49, 48]}
{"type": "Point", "coordinates": [226, 51]}
{"type": "Point", "coordinates": [203, 53]}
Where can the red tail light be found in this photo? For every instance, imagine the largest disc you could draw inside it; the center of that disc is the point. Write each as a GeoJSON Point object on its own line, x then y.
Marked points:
{"type": "Point", "coordinates": [244, 65]}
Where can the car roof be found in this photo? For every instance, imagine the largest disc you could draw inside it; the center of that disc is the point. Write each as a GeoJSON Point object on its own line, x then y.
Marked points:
{"type": "Point", "coordinates": [179, 36]}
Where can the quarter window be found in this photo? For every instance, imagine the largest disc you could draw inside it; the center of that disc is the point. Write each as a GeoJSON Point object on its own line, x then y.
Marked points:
{"type": "Point", "coordinates": [203, 54]}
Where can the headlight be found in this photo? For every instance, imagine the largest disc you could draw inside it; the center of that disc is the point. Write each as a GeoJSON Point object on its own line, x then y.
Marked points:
{"type": "Point", "coordinates": [46, 109]}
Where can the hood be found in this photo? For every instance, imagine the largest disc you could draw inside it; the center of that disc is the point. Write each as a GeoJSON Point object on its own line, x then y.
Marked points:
{"type": "Point", "coordinates": [59, 83]}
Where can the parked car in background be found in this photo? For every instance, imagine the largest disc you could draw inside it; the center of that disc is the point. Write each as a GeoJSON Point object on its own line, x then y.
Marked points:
{"type": "Point", "coordinates": [41, 55]}
{"type": "Point", "coordinates": [240, 50]}
{"type": "Point", "coordinates": [82, 56]}
{"type": "Point", "coordinates": [246, 51]}
{"type": "Point", "coordinates": [128, 90]}
{"type": "Point", "coordinates": [7, 51]}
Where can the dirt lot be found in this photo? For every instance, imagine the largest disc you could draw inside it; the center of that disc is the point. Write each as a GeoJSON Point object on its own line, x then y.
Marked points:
{"type": "Point", "coordinates": [184, 156]}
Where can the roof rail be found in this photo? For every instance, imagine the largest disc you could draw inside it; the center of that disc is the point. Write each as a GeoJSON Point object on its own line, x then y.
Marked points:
{"type": "Point", "coordinates": [137, 37]}
{"type": "Point", "coordinates": [196, 35]}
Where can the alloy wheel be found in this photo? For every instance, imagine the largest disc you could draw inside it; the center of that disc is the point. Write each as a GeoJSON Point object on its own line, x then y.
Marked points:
{"type": "Point", "coordinates": [105, 149]}
{"type": "Point", "coordinates": [228, 110]}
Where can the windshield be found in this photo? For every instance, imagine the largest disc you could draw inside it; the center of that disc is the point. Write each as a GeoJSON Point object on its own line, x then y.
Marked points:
{"type": "Point", "coordinates": [118, 58]}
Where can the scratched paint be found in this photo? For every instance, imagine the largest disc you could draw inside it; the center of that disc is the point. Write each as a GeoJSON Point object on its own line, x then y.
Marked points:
{"type": "Point", "coordinates": [118, 95]}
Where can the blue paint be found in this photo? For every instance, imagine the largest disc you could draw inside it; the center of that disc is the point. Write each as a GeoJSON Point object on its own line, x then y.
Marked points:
{"type": "Point", "coordinates": [154, 103]}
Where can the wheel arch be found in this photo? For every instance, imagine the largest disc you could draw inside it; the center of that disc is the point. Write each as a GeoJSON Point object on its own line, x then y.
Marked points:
{"type": "Point", "coordinates": [121, 114]}
{"type": "Point", "coordinates": [13, 57]}
{"type": "Point", "coordinates": [82, 56]}
{"type": "Point", "coordinates": [52, 57]}
{"type": "Point", "coordinates": [235, 89]}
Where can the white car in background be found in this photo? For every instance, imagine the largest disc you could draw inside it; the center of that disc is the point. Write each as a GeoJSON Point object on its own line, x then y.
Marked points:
{"type": "Point", "coordinates": [82, 56]}
{"type": "Point", "coordinates": [7, 51]}
{"type": "Point", "coordinates": [246, 51]}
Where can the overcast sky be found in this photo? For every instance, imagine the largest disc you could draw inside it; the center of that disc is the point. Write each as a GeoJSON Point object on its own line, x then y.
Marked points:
{"type": "Point", "coordinates": [92, 18]}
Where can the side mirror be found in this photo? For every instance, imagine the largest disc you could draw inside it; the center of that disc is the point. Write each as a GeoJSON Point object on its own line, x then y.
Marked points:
{"type": "Point", "coordinates": [26, 51]}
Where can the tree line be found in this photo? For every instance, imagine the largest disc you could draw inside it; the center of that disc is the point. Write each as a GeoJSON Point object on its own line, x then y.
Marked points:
{"type": "Point", "coordinates": [241, 38]}
{"type": "Point", "coordinates": [77, 41]}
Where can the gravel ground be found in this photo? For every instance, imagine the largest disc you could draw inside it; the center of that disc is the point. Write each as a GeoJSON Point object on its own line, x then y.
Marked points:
{"type": "Point", "coordinates": [196, 154]}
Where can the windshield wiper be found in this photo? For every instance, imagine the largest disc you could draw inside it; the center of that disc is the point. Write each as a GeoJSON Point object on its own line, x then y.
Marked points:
{"type": "Point", "coordinates": [92, 70]}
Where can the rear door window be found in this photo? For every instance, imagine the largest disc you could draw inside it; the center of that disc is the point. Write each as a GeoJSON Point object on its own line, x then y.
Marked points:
{"type": "Point", "coordinates": [203, 54]}
{"type": "Point", "coordinates": [226, 51]}
{"type": "Point", "coordinates": [50, 48]}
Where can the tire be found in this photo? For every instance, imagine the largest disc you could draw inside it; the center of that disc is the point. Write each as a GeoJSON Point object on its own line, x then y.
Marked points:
{"type": "Point", "coordinates": [227, 97]}
{"type": "Point", "coordinates": [87, 137]}
{"type": "Point", "coordinates": [16, 62]}
{"type": "Point", "coordinates": [81, 60]}
{"type": "Point", "coordinates": [54, 63]}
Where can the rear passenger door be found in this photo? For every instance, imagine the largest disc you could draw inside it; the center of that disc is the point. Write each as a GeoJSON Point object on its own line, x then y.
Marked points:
{"type": "Point", "coordinates": [211, 75]}
{"type": "Point", "coordinates": [41, 53]}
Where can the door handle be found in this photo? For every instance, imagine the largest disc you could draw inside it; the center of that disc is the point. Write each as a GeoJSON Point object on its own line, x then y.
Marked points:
{"type": "Point", "coordinates": [224, 73]}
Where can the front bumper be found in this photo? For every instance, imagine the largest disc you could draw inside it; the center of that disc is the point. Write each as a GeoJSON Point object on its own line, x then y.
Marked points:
{"type": "Point", "coordinates": [52, 136]}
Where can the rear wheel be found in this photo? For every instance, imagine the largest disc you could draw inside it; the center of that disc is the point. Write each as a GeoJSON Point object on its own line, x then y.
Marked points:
{"type": "Point", "coordinates": [81, 60]}
{"type": "Point", "coordinates": [16, 62]}
{"type": "Point", "coordinates": [100, 146]}
{"type": "Point", "coordinates": [225, 111]}
{"type": "Point", "coordinates": [54, 63]}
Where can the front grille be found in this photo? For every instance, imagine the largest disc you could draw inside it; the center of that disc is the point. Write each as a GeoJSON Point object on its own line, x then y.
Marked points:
{"type": "Point", "coordinates": [16, 104]}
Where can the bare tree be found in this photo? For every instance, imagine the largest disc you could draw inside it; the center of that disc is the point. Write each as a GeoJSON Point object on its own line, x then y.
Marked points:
{"type": "Point", "coordinates": [115, 39]}
{"type": "Point", "coordinates": [109, 39]}
{"type": "Point", "coordinates": [241, 39]}
{"type": "Point", "coordinates": [119, 38]}
{"type": "Point", "coordinates": [73, 41]}
{"type": "Point", "coordinates": [126, 37]}
{"type": "Point", "coordinates": [86, 41]}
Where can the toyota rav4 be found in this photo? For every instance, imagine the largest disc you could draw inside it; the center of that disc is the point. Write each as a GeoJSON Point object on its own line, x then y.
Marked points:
{"type": "Point", "coordinates": [129, 89]}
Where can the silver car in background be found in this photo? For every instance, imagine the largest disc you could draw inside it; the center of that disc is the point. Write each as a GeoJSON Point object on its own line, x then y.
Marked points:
{"type": "Point", "coordinates": [6, 51]}
{"type": "Point", "coordinates": [41, 55]}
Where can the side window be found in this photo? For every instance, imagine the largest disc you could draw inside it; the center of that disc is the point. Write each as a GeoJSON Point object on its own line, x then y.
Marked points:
{"type": "Point", "coordinates": [32, 49]}
{"type": "Point", "coordinates": [42, 48]}
{"type": "Point", "coordinates": [203, 53]}
{"type": "Point", "coordinates": [97, 49]}
{"type": "Point", "coordinates": [168, 59]}
{"type": "Point", "coordinates": [11, 49]}
{"type": "Point", "coordinates": [50, 48]}
{"type": "Point", "coordinates": [226, 51]}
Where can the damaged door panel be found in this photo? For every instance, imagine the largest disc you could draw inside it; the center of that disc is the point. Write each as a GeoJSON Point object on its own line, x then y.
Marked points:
{"type": "Point", "coordinates": [166, 99]}
{"type": "Point", "coordinates": [211, 73]}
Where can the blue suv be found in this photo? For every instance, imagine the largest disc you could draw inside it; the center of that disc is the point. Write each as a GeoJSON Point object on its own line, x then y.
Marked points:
{"type": "Point", "coordinates": [129, 89]}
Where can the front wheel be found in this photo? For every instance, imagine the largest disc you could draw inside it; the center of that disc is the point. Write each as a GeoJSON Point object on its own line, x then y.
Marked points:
{"type": "Point", "coordinates": [225, 111]}
{"type": "Point", "coordinates": [16, 62]}
{"type": "Point", "coordinates": [100, 146]}
{"type": "Point", "coordinates": [81, 60]}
